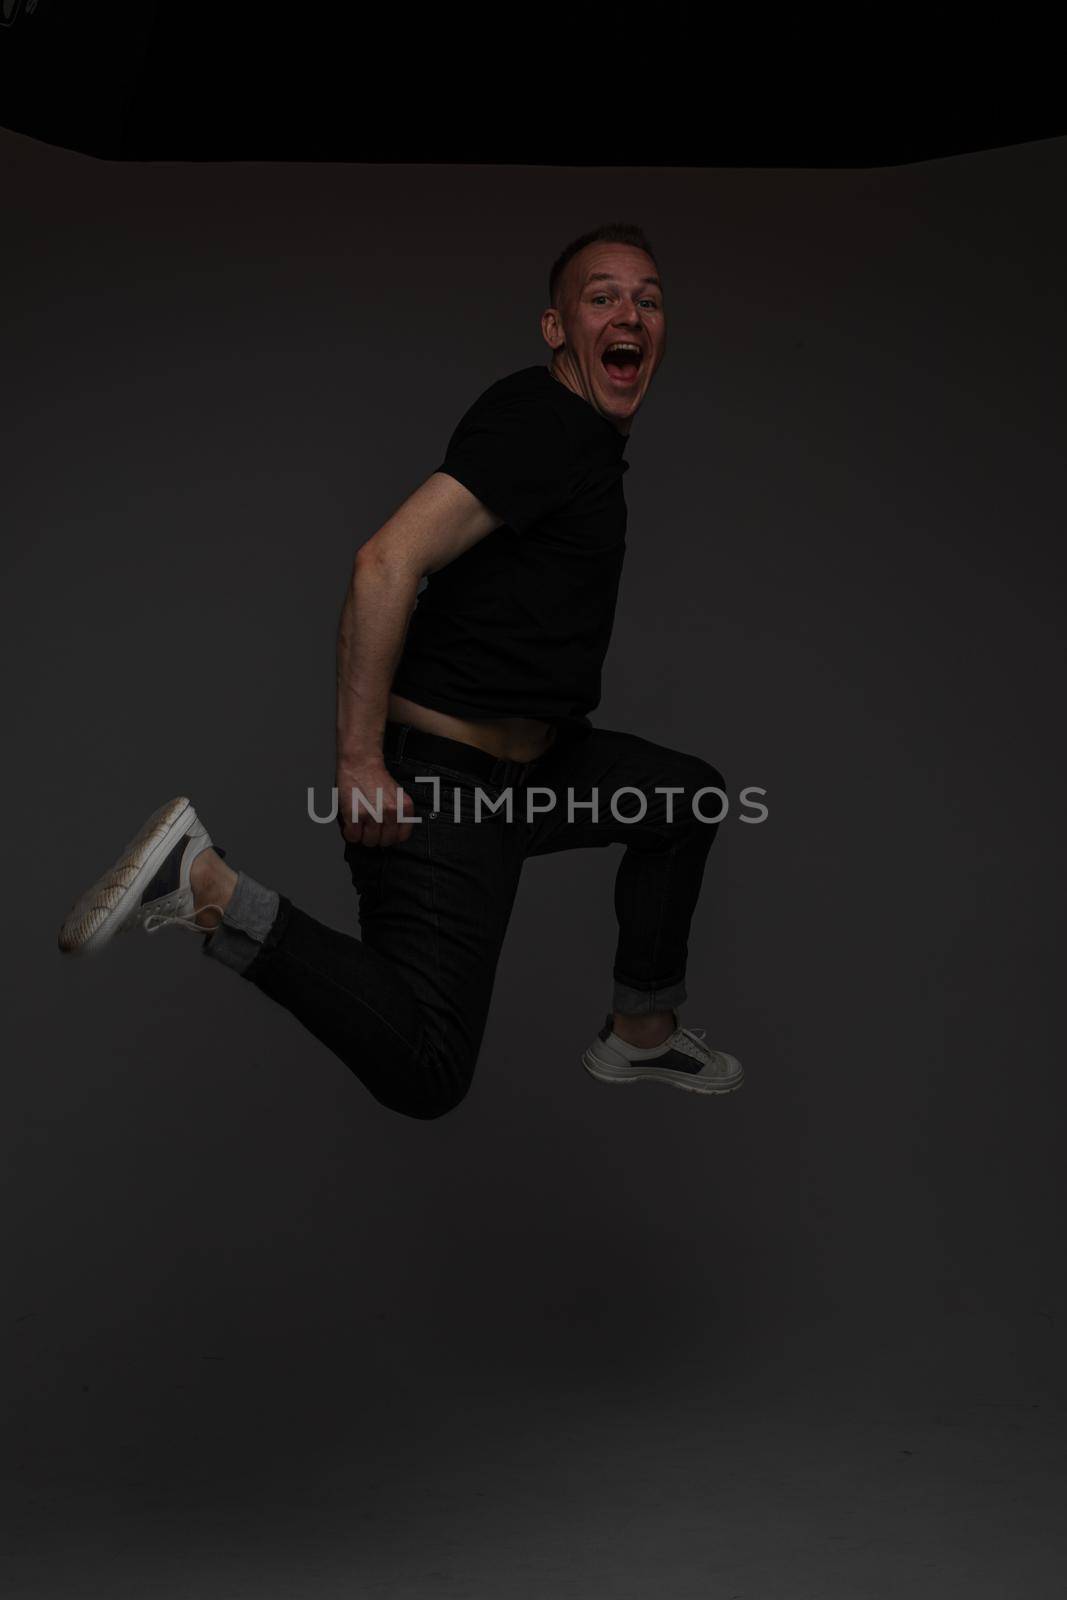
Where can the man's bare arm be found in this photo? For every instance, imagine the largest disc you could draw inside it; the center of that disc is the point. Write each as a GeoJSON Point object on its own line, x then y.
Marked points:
{"type": "Point", "coordinates": [432, 527]}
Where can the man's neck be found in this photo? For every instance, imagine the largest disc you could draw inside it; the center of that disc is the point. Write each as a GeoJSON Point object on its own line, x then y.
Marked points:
{"type": "Point", "coordinates": [560, 376]}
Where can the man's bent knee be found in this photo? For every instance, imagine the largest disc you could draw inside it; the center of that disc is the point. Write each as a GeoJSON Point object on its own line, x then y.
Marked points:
{"type": "Point", "coordinates": [705, 791]}
{"type": "Point", "coordinates": [705, 776]}
{"type": "Point", "coordinates": [437, 1089]}
{"type": "Point", "coordinates": [429, 1106]}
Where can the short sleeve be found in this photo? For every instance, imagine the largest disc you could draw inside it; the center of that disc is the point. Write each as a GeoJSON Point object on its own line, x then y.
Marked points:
{"type": "Point", "coordinates": [515, 457]}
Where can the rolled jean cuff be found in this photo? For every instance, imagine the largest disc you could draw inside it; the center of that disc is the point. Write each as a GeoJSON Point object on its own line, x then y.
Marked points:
{"type": "Point", "coordinates": [636, 1002]}
{"type": "Point", "coordinates": [245, 926]}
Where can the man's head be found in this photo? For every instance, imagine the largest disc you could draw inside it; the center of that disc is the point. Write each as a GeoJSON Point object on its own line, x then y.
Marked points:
{"type": "Point", "coordinates": [605, 294]}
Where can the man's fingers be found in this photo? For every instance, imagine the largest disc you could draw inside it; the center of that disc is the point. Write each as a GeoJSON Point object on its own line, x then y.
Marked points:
{"type": "Point", "coordinates": [393, 829]}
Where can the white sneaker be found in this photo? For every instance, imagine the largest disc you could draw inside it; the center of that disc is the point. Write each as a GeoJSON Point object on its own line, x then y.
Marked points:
{"type": "Point", "coordinates": [147, 887]}
{"type": "Point", "coordinates": [683, 1060]}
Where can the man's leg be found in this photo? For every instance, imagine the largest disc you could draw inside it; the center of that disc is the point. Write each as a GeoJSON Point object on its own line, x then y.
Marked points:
{"type": "Point", "coordinates": [659, 878]}
{"type": "Point", "coordinates": [404, 1006]}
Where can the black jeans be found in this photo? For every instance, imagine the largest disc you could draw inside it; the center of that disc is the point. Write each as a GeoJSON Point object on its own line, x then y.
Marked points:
{"type": "Point", "coordinates": [405, 1005]}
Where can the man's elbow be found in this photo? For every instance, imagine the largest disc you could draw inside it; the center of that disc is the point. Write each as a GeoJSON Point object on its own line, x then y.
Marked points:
{"type": "Point", "coordinates": [384, 564]}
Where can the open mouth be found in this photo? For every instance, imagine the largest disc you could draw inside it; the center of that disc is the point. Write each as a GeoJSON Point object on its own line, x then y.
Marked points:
{"type": "Point", "coordinates": [622, 361]}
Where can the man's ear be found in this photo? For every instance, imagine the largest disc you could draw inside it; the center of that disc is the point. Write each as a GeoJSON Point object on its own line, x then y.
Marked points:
{"type": "Point", "coordinates": [552, 327]}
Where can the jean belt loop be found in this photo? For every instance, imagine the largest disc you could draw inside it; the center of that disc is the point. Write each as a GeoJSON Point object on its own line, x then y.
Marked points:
{"type": "Point", "coordinates": [401, 740]}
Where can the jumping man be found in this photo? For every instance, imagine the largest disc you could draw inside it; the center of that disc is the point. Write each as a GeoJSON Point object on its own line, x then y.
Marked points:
{"type": "Point", "coordinates": [470, 650]}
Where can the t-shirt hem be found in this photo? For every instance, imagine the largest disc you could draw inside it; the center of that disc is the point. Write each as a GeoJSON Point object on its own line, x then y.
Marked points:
{"type": "Point", "coordinates": [460, 708]}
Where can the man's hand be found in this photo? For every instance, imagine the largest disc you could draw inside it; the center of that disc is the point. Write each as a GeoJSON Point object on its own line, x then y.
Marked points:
{"type": "Point", "coordinates": [369, 775]}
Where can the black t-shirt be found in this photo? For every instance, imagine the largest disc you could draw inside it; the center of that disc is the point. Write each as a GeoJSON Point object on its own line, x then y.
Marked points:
{"type": "Point", "coordinates": [519, 624]}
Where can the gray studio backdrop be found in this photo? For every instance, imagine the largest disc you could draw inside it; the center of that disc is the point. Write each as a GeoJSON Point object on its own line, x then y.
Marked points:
{"type": "Point", "coordinates": [241, 1296]}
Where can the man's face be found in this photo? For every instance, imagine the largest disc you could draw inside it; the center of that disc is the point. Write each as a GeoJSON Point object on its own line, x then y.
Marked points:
{"type": "Point", "coordinates": [610, 296]}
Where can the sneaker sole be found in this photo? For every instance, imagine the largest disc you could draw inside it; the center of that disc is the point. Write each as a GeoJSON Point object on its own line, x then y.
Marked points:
{"type": "Point", "coordinates": [608, 1072]}
{"type": "Point", "coordinates": [99, 913]}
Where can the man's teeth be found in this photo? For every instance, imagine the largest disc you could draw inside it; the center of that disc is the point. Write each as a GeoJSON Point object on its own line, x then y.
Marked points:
{"type": "Point", "coordinates": [622, 344]}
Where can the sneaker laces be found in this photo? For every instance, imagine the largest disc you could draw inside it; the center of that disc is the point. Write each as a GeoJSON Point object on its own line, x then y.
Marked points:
{"type": "Point", "coordinates": [152, 921]}
{"type": "Point", "coordinates": [692, 1043]}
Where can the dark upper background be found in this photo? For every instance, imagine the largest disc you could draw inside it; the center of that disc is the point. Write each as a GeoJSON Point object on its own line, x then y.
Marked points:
{"type": "Point", "coordinates": [173, 80]}
{"type": "Point", "coordinates": [234, 1280]}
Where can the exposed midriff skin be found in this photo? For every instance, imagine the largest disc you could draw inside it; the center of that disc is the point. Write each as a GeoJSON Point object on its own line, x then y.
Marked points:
{"type": "Point", "coordinates": [509, 738]}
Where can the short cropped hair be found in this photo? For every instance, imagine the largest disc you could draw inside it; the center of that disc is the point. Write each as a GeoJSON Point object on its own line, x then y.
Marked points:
{"type": "Point", "coordinates": [607, 233]}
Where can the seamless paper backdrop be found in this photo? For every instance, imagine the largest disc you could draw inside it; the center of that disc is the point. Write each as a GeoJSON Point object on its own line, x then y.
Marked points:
{"type": "Point", "coordinates": [253, 1318]}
